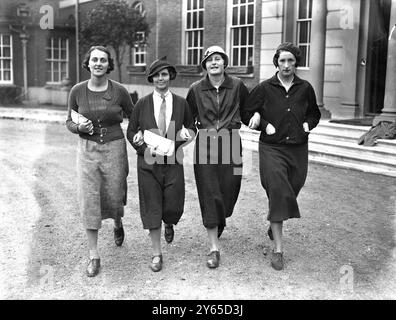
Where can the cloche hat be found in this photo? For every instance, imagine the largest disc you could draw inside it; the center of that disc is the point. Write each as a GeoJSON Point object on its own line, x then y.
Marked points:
{"type": "Point", "coordinates": [212, 50]}
{"type": "Point", "coordinates": [158, 65]}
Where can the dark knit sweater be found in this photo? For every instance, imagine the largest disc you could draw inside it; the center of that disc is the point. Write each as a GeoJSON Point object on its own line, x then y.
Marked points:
{"type": "Point", "coordinates": [105, 110]}
{"type": "Point", "coordinates": [286, 111]}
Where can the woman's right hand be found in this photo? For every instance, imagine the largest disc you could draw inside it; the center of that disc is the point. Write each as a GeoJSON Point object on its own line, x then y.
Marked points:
{"type": "Point", "coordinates": [270, 129]}
{"type": "Point", "coordinates": [254, 121]}
{"type": "Point", "coordinates": [86, 127]}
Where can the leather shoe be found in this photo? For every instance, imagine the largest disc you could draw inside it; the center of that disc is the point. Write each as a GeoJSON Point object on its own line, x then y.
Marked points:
{"type": "Point", "coordinates": [214, 258]}
{"type": "Point", "coordinates": [119, 235]}
{"type": "Point", "coordinates": [156, 263]}
{"type": "Point", "coordinates": [169, 233]}
{"type": "Point", "coordinates": [220, 230]}
{"type": "Point", "coordinates": [93, 267]}
{"type": "Point", "coordinates": [270, 235]}
{"type": "Point", "coordinates": [277, 260]}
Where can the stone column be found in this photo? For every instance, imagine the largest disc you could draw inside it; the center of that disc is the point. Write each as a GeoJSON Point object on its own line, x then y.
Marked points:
{"type": "Point", "coordinates": [389, 111]}
{"type": "Point", "coordinates": [349, 107]}
{"type": "Point", "coordinates": [318, 51]}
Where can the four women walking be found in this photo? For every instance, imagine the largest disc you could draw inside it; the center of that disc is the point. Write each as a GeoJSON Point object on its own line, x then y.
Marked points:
{"type": "Point", "coordinates": [283, 108]}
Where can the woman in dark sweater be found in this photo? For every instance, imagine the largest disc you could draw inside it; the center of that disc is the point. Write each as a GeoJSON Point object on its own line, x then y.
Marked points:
{"type": "Point", "coordinates": [102, 161]}
{"type": "Point", "coordinates": [160, 173]}
{"type": "Point", "coordinates": [288, 111]}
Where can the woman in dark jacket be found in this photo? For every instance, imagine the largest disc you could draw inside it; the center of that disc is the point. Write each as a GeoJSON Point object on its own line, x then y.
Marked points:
{"type": "Point", "coordinates": [288, 110]}
{"type": "Point", "coordinates": [102, 161]}
{"type": "Point", "coordinates": [160, 173]}
{"type": "Point", "coordinates": [217, 102]}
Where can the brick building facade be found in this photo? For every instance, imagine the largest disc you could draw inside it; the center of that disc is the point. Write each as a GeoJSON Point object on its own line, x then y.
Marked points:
{"type": "Point", "coordinates": [348, 46]}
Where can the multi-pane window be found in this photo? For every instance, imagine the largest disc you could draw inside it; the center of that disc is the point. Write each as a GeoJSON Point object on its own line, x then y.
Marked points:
{"type": "Point", "coordinates": [5, 58]}
{"type": "Point", "coordinates": [138, 5]}
{"type": "Point", "coordinates": [242, 32]}
{"type": "Point", "coordinates": [194, 29]}
{"type": "Point", "coordinates": [57, 60]}
{"type": "Point", "coordinates": [304, 22]}
{"type": "Point", "coordinates": [139, 51]}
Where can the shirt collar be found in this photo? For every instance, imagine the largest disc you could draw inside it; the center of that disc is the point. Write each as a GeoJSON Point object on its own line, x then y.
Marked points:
{"type": "Point", "coordinates": [274, 80]}
{"type": "Point", "coordinates": [227, 83]}
{"type": "Point", "coordinates": [157, 94]}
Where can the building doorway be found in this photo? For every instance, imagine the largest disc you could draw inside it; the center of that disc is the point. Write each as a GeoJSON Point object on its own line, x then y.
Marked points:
{"type": "Point", "coordinates": [377, 52]}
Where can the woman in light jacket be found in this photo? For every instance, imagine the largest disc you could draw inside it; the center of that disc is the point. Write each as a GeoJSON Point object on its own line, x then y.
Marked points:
{"type": "Point", "coordinates": [217, 102]}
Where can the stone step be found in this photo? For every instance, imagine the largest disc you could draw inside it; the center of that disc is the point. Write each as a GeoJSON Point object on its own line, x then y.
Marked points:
{"type": "Point", "coordinates": [390, 143]}
{"type": "Point", "coordinates": [341, 128]}
{"type": "Point", "coordinates": [324, 159]}
{"type": "Point", "coordinates": [336, 145]}
{"type": "Point", "coordinates": [354, 155]}
{"type": "Point", "coordinates": [381, 150]}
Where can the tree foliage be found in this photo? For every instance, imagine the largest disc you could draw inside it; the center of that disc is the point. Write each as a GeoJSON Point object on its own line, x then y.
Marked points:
{"type": "Point", "coordinates": [114, 24]}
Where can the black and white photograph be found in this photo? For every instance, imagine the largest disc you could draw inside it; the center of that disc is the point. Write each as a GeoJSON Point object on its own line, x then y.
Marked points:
{"type": "Point", "coordinates": [198, 154]}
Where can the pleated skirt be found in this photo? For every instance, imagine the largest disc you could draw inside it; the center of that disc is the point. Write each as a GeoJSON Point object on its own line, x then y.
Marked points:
{"type": "Point", "coordinates": [102, 171]}
{"type": "Point", "coordinates": [283, 171]}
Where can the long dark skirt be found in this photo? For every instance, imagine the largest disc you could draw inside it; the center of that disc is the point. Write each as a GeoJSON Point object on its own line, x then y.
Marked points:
{"type": "Point", "coordinates": [161, 193]}
{"type": "Point", "coordinates": [218, 175]}
{"type": "Point", "coordinates": [102, 171]}
{"type": "Point", "coordinates": [283, 171]}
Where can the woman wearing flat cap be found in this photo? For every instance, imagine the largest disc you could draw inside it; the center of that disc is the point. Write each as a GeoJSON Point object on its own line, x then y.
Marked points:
{"type": "Point", "coordinates": [160, 175]}
{"type": "Point", "coordinates": [102, 160]}
{"type": "Point", "coordinates": [288, 112]}
{"type": "Point", "coordinates": [217, 102]}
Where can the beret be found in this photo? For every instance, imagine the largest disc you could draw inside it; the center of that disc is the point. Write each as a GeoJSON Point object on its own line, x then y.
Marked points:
{"type": "Point", "coordinates": [287, 46]}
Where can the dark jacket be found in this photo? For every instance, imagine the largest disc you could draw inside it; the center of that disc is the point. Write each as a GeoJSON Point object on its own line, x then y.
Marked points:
{"type": "Point", "coordinates": [286, 111]}
{"type": "Point", "coordinates": [217, 109]}
{"type": "Point", "coordinates": [143, 118]}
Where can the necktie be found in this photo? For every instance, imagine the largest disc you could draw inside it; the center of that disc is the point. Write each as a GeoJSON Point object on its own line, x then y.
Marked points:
{"type": "Point", "coordinates": [162, 116]}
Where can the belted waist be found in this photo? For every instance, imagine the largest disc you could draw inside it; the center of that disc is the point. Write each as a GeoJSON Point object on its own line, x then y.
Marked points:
{"type": "Point", "coordinates": [215, 132]}
{"type": "Point", "coordinates": [102, 131]}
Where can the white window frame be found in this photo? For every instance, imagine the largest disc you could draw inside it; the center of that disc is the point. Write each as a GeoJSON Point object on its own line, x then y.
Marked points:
{"type": "Point", "coordinates": [190, 31]}
{"type": "Point", "coordinates": [240, 25]}
{"type": "Point", "coordinates": [139, 51]}
{"type": "Point", "coordinates": [56, 63]}
{"type": "Point", "coordinates": [2, 81]}
{"type": "Point", "coordinates": [138, 5]}
{"type": "Point", "coordinates": [304, 65]}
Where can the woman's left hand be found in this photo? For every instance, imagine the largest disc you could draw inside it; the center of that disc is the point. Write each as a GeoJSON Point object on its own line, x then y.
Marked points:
{"type": "Point", "coordinates": [255, 121]}
{"type": "Point", "coordinates": [306, 127]}
{"type": "Point", "coordinates": [138, 138]}
{"type": "Point", "coordinates": [185, 134]}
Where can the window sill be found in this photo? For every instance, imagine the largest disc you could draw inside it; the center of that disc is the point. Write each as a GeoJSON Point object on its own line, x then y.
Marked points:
{"type": "Point", "coordinates": [53, 85]}
{"type": "Point", "coordinates": [244, 72]}
{"type": "Point", "coordinates": [189, 70]}
{"type": "Point", "coordinates": [136, 70]}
